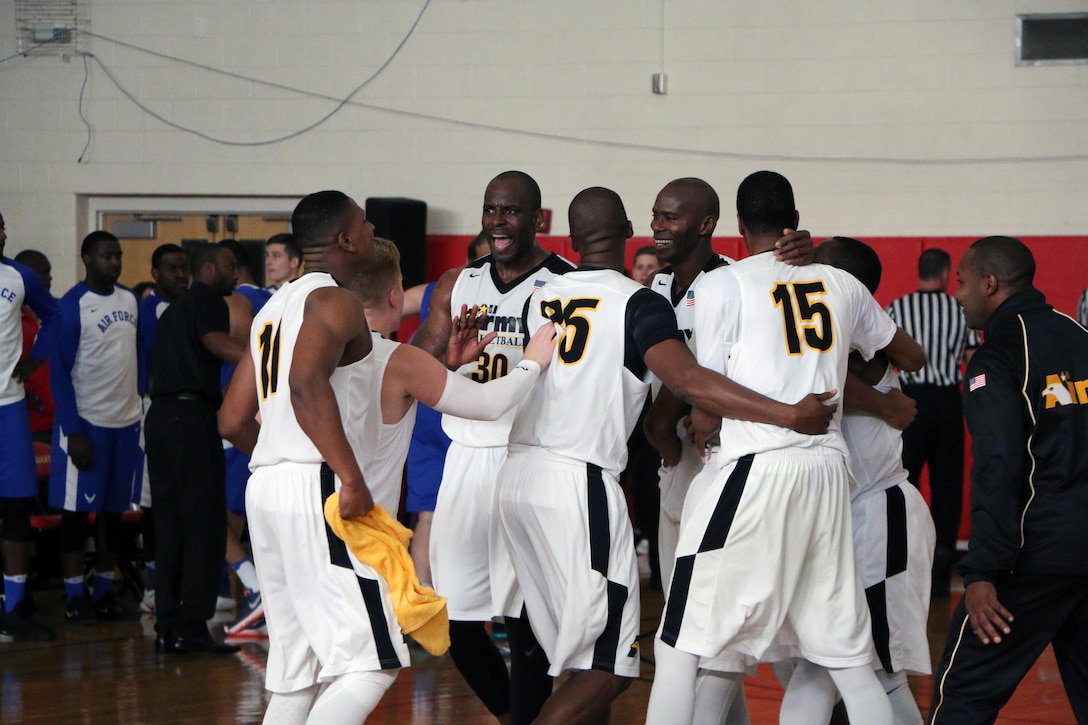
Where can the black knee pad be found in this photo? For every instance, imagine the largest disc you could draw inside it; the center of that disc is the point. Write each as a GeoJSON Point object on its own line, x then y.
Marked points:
{"type": "Point", "coordinates": [108, 533]}
{"type": "Point", "coordinates": [73, 531]}
{"type": "Point", "coordinates": [16, 515]}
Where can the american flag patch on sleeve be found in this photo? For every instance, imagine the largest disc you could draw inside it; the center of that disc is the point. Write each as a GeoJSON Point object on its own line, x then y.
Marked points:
{"type": "Point", "coordinates": [979, 381]}
{"type": "Point", "coordinates": [689, 299]}
{"type": "Point", "coordinates": [537, 284]}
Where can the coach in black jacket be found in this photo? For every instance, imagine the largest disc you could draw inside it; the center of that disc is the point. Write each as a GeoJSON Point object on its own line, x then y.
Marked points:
{"type": "Point", "coordinates": [1026, 403]}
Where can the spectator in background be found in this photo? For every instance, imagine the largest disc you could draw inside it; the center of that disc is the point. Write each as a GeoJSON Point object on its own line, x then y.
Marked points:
{"type": "Point", "coordinates": [645, 265]}
{"type": "Point", "coordinates": [282, 260]}
{"type": "Point", "coordinates": [143, 290]}
{"type": "Point", "coordinates": [18, 479]}
{"type": "Point", "coordinates": [95, 459]}
{"type": "Point", "coordinates": [246, 301]}
{"type": "Point", "coordinates": [935, 439]}
{"type": "Point", "coordinates": [185, 453]}
{"type": "Point", "coordinates": [170, 270]}
{"type": "Point", "coordinates": [39, 396]}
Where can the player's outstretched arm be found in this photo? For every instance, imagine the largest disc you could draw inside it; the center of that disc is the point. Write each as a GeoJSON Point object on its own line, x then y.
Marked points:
{"type": "Point", "coordinates": [541, 346]}
{"type": "Point", "coordinates": [422, 377]}
{"type": "Point", "coordinates": [413, 301]}
{"type": "Point", "coordinates": [673, 363]}
{"type": "Point", "coordinates": [334, 332]}
{"type": "Point", "coordinates": [434, 334]}
{"type": "Point", "coordinates": [238, 414]}
{"type": "Point", "coordinates": [905, 352]}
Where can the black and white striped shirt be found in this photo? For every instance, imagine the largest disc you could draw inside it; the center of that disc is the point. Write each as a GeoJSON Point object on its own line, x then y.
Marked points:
{"type": "Point", "coordinates": [936, 321]}
{"type": "Point", "coordinates": [1082, 309]}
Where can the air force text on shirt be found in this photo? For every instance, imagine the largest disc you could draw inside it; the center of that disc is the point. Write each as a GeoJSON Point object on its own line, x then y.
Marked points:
{"type": "Point", "coordinates": [116, 316]}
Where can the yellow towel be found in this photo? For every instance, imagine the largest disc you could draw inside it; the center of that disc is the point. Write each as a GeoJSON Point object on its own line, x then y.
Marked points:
{"type": "Point", "coordinates": [379, 541]}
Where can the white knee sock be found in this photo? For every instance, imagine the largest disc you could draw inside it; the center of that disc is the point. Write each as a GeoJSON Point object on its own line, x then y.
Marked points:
{"type": "Point", "coordinates": [350, 698]}
{"type": "Point", "coordinates": [672, 697]}
{"type": "Point", "coordinates": [719, 699]}
{"type": "Point", "coordinates": [810, 696]}
{"type": "Point", "coordinates": [902, 699]}
{"type": "Point", "coordinates": [865, 699]}
{"type": "Point", "coordinates": [291, 708]}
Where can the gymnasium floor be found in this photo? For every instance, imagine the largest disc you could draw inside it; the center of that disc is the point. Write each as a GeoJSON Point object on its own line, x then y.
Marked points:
{"type": "Point", "coordinates": [109, 673]}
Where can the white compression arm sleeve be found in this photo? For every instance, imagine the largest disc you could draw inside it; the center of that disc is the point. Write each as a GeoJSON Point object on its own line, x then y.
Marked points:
{"type": "Point", "coordinates": [468, 399]}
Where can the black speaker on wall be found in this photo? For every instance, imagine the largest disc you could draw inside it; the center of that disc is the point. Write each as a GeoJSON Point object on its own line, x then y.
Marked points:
{"type": "Point", "coordinates": [404, 222]}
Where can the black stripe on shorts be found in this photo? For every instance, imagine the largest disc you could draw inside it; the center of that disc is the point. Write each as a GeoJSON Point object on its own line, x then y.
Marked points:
{"type": "Point", "coordinates": [370, 589]}
{"type": "Point", "coordinates": [677, 599]}
{"type": "Point", "coordinates": [600, 538]}
{"type": "Point", "coordinates": [717, 530]}
{"type": "Point", "coordinates": [338, 550]}
{"type": "Point", "coordinates": [877, 597]}
{"type": "Point", "coordinates": [726, 510]}
{"type": "Point", "coordinates": [383, 643]}
{"type": "Point", "coordinates": [897, 532]}
{"type": "Point", "coordinates": [607, 645]}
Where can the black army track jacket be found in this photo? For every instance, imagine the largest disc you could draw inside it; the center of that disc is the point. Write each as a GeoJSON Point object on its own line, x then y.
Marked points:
{"type": "Point", "coordinates": [1026, 403]}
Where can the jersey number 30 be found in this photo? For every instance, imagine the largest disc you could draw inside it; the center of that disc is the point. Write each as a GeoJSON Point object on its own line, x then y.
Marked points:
{"type": "Point", "coordinates": [270, 360]}
{"type": "Point", "coordinates": [801, 314]}
{"type": "Point", "coordinates": [575, 325]}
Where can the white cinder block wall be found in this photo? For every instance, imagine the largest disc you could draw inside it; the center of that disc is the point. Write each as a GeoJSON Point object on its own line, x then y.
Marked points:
{"type": "Point", "coordinates": [831, 94]}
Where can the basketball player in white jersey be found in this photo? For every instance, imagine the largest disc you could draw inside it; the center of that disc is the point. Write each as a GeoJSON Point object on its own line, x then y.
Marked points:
{"type": "Point", "coordinates": [403, 374]}
{"type": "Point", "coordinates": [330, 619]}
{"type": "Point", "coordinates": [685, 215]}
{"type": "Point", "coordinates": [893, 530]}
{"type": "Point", "coordinates": [469, 563]}
{"type": "Point", "coordinates": [329, 616]}
{"type": "Point", "coordinates": [560, 506]}
{"type": "Point", "coordinates": [763, 555]}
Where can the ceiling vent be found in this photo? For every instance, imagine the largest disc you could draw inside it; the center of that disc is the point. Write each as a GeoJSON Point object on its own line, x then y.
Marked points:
{"type": "Point", "coordinates": [1052, 39]}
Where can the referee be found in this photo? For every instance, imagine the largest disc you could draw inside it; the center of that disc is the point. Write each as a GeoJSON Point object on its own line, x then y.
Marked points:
{"type": "Point", "coordinates": [1082, 309]}
{"type": "Point", "coordinates": [932, 317]}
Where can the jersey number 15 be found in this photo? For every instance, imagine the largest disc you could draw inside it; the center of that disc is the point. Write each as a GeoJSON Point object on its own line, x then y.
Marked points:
{"type": "Point", "coordinates": [801, 315]}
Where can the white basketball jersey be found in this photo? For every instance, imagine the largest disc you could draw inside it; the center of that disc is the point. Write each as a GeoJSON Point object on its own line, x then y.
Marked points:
{"type": "Point", "coordinates": [784, 332]}
{"type": "Point", "coordinates": [479, 284]}
{"type": "Point", "coordinates": [589, 401]}
{"type": "Point", "coordinates": [272, 344]}
{"type": "Point", "coordinates": [683, 303]}
{"type": "Point", "coordinates": [387, 448]}
{"type": "Point", "coordinates": [876, 449]}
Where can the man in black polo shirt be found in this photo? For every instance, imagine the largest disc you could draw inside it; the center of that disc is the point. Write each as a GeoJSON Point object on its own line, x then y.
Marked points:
{"type": "Point", "coordinates": [184, 453]}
